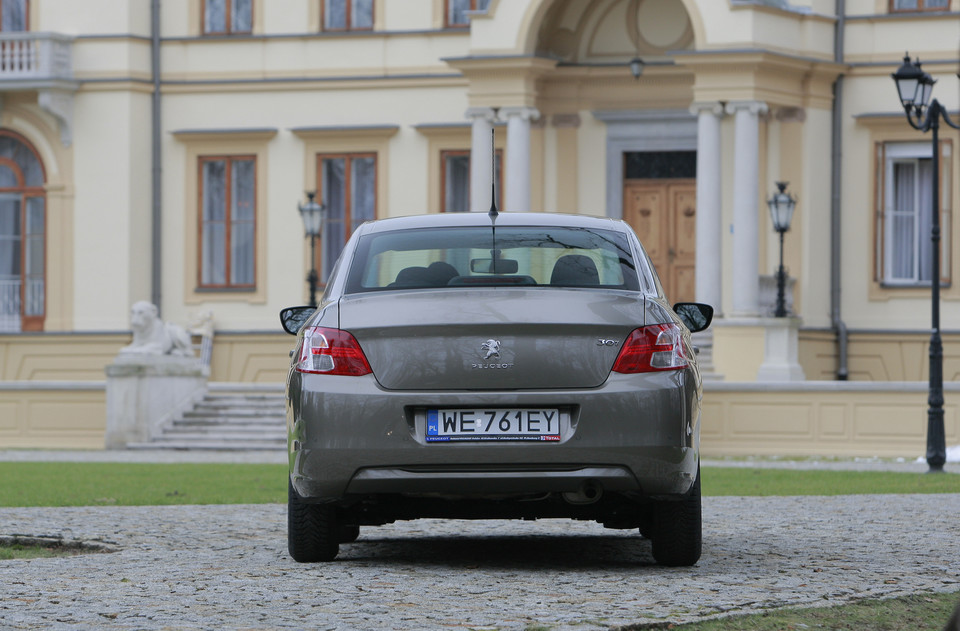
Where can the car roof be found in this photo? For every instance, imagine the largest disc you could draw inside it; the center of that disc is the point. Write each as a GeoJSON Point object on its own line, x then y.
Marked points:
{"type": "Point", "coordinates": [462, 219]}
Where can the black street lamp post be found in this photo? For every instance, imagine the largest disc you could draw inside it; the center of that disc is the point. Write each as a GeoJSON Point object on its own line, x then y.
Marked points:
{"type": "Point", "coordinates": [312, 214]}
{"type": "Point", "coordinates": [915, 87]}
{"type": "Point", "coordinates": [781, 212]}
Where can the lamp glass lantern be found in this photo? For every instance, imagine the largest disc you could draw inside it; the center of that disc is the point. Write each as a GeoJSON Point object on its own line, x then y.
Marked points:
{"type": "Point", "coordinates": [908, 79]}
{"type": "Point", "coordinates": [312, 214]}
{"type": "Point", "coordinates": [781, 208]}
{"type": "Point", "coordinates": [781, 213]}
{"type": "Point", "coordinates": [636, 67]}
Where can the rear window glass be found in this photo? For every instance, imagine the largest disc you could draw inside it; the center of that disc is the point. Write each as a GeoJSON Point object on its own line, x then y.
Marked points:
{"type": "Point", "coordinates": [482, 257]}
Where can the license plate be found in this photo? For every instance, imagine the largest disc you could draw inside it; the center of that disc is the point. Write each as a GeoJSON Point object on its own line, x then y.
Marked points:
{"type": "Point", "coordinates": [500, 424]}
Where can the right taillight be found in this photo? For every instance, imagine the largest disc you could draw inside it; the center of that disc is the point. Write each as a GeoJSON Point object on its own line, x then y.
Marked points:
{"type": "Point", "coordinates": [331, 352]}
{"type": "Point", "coordinates": [652, 348]}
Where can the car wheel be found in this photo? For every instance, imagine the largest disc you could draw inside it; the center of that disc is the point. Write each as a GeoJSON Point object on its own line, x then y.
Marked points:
{"type": "Point", "coordinates": [312, 530]}
{"type": "Point", "coordinates": [677, 529]}
{"type": "Point", "coordinates": [349, 533]}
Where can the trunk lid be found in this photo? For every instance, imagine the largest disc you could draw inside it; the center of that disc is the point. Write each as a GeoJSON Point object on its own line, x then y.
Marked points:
{"type": "Point", "coordinates": [492, 339]}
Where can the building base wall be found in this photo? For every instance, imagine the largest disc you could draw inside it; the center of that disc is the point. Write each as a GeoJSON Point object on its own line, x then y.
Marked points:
{"type": "Point", "coordinates": [822, 418]}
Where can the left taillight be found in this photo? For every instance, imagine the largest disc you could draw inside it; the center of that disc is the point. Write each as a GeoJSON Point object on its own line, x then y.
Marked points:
{"type": "Point", "coordinates": [652, 348]}
{"type": "Point", "coordinates": [331, 352]}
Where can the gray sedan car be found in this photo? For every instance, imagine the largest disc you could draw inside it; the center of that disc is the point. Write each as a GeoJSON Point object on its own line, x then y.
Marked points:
{"type": "Point", "coordinates": [512, 366]}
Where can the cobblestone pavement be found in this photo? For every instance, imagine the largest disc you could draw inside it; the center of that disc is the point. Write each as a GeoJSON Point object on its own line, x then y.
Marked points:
{"type": "Point", "coordinates": [215, 567]}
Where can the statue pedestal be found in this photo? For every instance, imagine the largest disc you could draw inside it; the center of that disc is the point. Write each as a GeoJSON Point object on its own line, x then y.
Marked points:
{"type": "Point", "coordinates": [144, 391]}
{"type": "Point", "coordinates": [780, 361]}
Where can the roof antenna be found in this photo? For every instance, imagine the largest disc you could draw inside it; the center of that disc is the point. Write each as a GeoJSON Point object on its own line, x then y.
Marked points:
{"type": "Point", "coordinates": [493, 173]}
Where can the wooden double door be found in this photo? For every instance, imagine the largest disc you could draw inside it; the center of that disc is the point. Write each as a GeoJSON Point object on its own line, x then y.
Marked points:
{"type": "Point", "coordinates": [663, 213]}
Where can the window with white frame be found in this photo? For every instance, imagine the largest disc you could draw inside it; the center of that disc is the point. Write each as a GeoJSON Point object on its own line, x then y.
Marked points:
{"type": "Point", "coordinates": [905, 232]}
{"type": "Point", "coordinates": [347, 15]}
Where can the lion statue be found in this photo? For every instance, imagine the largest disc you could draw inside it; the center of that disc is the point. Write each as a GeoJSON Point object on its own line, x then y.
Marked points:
{"type": "Point", "coordinates": [153, 336]}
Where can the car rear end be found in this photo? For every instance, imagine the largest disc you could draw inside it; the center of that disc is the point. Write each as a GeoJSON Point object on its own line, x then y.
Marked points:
{"type": "Point", "coordinates": [531, 371]}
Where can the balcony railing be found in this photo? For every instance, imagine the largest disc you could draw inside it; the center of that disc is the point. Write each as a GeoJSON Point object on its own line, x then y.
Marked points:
{"type": "Point", "coordinates": [35, 57]}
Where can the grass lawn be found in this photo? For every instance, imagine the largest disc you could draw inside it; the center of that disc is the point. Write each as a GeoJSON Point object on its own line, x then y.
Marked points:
{"type": "Point", "coordinates": [126, 484]}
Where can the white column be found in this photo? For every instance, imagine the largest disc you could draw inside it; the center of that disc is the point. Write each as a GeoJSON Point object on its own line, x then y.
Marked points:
{"type": "Point", "coordinates": [746, 164]}
{"type": "Point", "coordinates": [709, 229]}
{"type": "Point", "coordinates": [481, 155]}
{"type": "Point", "coordinates": [517, 175]}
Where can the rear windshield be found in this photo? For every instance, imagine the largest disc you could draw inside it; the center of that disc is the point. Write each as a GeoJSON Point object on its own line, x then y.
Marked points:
{"type": "Point", "coordinates": [482, 257]}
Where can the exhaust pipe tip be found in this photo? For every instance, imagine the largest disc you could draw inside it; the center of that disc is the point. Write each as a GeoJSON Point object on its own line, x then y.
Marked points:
{"type": "Point", "coordinates": [589, 493]}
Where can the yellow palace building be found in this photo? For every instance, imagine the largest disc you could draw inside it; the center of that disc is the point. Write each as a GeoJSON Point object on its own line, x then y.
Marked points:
{"type": "Point", "coordinates": [157, 150]}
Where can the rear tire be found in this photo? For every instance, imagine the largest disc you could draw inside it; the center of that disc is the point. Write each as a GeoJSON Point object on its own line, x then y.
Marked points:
{"type": "Point", "coordinates": [678, 529]}
{"type": "Point", "coordinates": [312, 531]}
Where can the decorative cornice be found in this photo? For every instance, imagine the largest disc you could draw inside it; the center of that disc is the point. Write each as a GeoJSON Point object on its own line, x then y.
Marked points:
{"type": "Point", "coordinates": [352, 131]}
{"type": "Point", "coordinates": [250, 133]}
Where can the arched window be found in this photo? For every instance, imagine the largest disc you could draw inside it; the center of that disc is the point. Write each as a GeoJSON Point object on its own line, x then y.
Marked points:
{"type": "Point", "coordinates": [22, 235]}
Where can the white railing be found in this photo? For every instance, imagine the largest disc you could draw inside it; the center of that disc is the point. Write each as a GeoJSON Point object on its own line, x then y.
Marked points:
{"type": "Point", "coordinates": [9, 306]}
{"type": "Point", "coordinates": [37, 56]}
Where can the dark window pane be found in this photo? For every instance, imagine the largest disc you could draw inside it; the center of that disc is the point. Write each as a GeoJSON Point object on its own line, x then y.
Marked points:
{"type": "Point", "coordinates": [35, 258]}
{"type": "Point", "coordinates": [24, 157]}
{"type": "Point", "coordinates": [335, 14]}
{"type": "Point", "coordinates": [214, 190]}
{"type": "Point", "coordinates": [242, 252]}
{"type": "Point", "coordinates": [35, 238]}
{"type": "Point", "coordinates": [215, 16]}
{"type": "Point", "coordinates": [905, 5]}
{"type": "Point", "coordinates": [243, 190]}
{"type": "Point", "coordinates": [241, 16]}
{"type": "Point", "coordinates": [363, 193]}
{"type": "Point", "coordinates": [936, 4]}
{"type": "Point", "coordinates": [334, 189]}
{"type": "Point", "coordinates": [457, 11]}
{"type": "Point", "coordinates": [362, 14]}
{"type": "Point", "coordinates": [8, 179]}
{"type": "Point", "coordinates": [655, 165]}
{"type": "Point", "coordinates": [457, 179]}
{"type": "Point", "coordinates": [214, 270]}
{"type": "Point", "coordinates": [14, 15]}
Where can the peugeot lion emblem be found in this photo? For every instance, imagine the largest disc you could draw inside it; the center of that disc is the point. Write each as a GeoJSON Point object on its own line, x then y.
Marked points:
{"type": "Point", "coordinates": [490, 349]}
{"type": "Point", "coordinates": [491, 357]}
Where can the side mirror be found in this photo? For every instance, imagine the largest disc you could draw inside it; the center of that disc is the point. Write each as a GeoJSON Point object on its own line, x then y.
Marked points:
{"type": "Point", "coordinates": [695, 315]}
{"type": "Point", "coordinates": [292, 318]}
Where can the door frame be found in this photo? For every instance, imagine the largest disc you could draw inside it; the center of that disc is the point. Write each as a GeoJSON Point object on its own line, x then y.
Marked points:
{"type": "Point", "coordinates": [640, 131]}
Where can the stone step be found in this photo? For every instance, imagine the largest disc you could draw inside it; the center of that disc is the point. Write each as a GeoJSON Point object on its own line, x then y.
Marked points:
{"type": "Point", "coordinates": [234, 413]}
{"type": "Point", "coordinates": [212, 445]}
{"type": "Point", "coordinates": [222, 436]}
{"type": "Point", "coordinates": [224, 422]}
{"type": "Point", "coordinates": [231, 420]}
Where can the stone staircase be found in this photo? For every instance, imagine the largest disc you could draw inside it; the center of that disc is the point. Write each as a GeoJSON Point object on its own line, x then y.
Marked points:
{"type": "Point", "coordinates": [228, 418]}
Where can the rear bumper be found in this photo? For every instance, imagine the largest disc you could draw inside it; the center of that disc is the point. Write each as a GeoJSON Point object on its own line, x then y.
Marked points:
{"type": "Point", "coordinates": [636, 434]}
